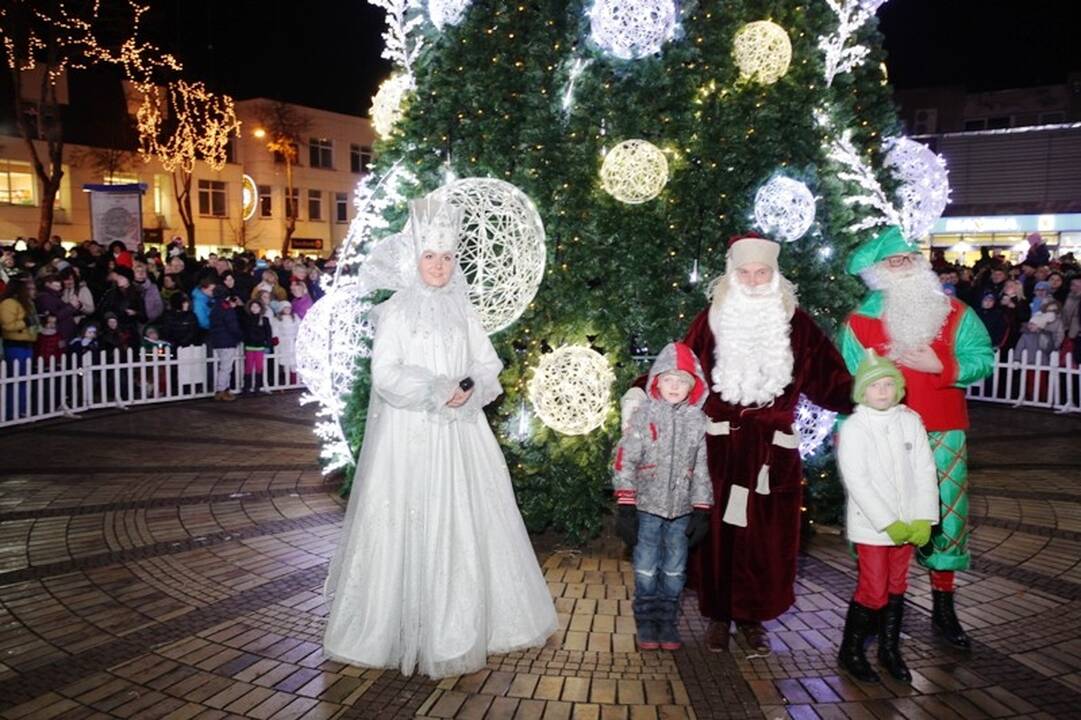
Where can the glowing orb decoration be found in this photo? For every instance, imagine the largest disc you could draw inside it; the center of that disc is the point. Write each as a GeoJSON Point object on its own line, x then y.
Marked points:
{"type": "Point", "coordinates": [571, 390]}
{"type": "Point", "coordinates": [634, 172]}
{"type": "Point", "coordinates": [249, 197]}
{"type": "Point", "coordinates": [447, 13]}
{"type": "Point", "coordinates": [784, 209]}
{"type": "Point", "coordinates": [925, 185]}
{"type": "Point", "coordinates": [500, 248]}
{"type": "Point", "coordinates": [813, 424]}
{"type": "Point", "coordinates": [631, 29]}
{"type": "Point", "coordinates": [386, 107]}
{"type": "Point", "coordinates": [334, 333]}
{"type": "Point", "coordinates": [762, 51]}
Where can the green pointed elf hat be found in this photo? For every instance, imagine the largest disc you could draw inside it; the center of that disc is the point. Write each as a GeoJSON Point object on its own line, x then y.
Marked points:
{"type": "Point", "coordinates": [888, 242]}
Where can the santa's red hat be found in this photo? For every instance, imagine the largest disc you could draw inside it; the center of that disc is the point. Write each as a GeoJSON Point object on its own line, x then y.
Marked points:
{"type": "Point", "coordinates": [752, 248]}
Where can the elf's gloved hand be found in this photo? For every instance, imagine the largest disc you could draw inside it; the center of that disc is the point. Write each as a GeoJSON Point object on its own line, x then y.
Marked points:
{"type": "Point", "coordinates": [899, 532]}
{"type": "Point", "coordinates": [698, 527]}
{"type": "Point", "coordinates": [627, 524]}
{"type": "Point", "coordinates": [921, 532]}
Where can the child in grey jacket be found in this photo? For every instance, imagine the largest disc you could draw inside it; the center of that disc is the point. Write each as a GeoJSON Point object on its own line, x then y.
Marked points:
{"type": "Point", "coordinates": [663, 489]}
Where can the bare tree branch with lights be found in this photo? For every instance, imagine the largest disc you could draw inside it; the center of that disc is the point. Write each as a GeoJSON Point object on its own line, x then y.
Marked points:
{"type": "Point", "coordinates": [282, 128]}
{"type": "Point", "coordinates": [42, 42]}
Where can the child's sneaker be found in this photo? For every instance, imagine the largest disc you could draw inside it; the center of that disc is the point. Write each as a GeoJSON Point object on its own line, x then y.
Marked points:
{"type": "Point", "coordinates": [647, 636]}
{"type": "Point", "coordinates": [669, 637]}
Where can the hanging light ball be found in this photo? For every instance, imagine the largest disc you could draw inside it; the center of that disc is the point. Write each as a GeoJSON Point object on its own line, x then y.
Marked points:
{"type": "Point", "coordinates": [632, 30]}
{"type": "Point", "coordinates": [814, 425]}
{"type": "Point", "coordinates": [762, 51]}
{"type": "Point", "coordinates": [571, 390]}
{"type": "Point", "coordinates": [386, 107]}
{"type": "Point", "coordinates": [634, 172]}
{"type": "Point", "coordinates": [784, 208]}
{"type": "Point", "coordinates": [925, 185]}
{"type": "Point", "coordinates": [334, 333]}
{"type": "Point", "coordinates": [446, 13]}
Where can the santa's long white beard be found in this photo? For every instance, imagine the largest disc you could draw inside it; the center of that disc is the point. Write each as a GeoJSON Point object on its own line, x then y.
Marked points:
{"type": "Point", "coordinates": [753, 352]}
{"type": "Point", "coordinates": [914, 308]}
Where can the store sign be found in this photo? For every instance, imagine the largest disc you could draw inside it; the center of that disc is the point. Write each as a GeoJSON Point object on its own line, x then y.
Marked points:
{"type": "Point", "coordinates": [306, 243]}
{"type": "Point", "coordinates": [1008, 224]}
{"type": "Point", "coordinates": [116, 213]}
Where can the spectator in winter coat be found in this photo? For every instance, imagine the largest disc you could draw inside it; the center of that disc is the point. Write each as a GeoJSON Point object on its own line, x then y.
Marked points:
{"type": "Point", "coordinates": [1015, 312]}
{"type": "Point", "coordinates": [245, 281]}
{"type": "Point", "coordinates": [170, 285]}
{"type": "Point", "coordinates": [49, 346]}
{"type": "Point", "coordinates": [19, 326]}
{"type": "Point", "coordinates": [124, 301]}
{"type": "Point", "coordinates": [1038, 252]}
{"type": "Point", "coordinates": [86, 342]}
{"type": "Point", "coordinates": [115, 337]}
{"type": "Point", "coordinates": [153, 305]}
{"type": "Point", "coordinates": [225, 335]}
{"type": "Point", "coordinates": [1059, 289]}
{"type": "Point", "coordinates": [50, 301]}
{"type": "Point", "coordinates": [1071, 313]}
{"type": "Point", "coordinates": [257, 343]}
{"type": "Point", "coordinates": [271, 285]}
{"type": "Point", "coordinates": [77, 293]}
{"type": "Point", "coordinates": [179, 326]}
{"type": "Point", "coordinates": [283, 329]}
{"type": "Point", "coordinates": [120, 254]}
{"type": "Point", "coordinates": [301, 300]}
{"type": "Point", "coordinates": [203, 300]}
{"type": "Point", "coordinates": [991, 315]}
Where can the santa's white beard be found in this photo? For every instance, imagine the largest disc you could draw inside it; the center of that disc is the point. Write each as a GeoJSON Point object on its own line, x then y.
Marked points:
{"type": "Point", "coordinates": [914, 307]}
{"type": "Point", "coordinates": [753, 353]}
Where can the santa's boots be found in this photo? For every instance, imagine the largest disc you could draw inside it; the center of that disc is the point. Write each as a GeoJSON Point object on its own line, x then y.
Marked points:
{"type": "Point", "coordinates": [944, 620]}
{"type": "Point", "coordinates": [889, 639]}
{"type": "Point", "coordinates": [859, 625]}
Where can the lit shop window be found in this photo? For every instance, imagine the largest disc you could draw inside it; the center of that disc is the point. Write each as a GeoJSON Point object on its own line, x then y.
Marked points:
{"type": "Point", "coordinates": [17, 186]}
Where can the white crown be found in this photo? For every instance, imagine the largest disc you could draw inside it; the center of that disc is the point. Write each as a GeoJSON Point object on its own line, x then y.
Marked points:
{"type": "Point", "coordinates": [435, 224]}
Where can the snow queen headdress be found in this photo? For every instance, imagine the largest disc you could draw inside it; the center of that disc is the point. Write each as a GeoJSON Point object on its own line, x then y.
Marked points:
{"type": "Point", "coordinates": [435, 224]}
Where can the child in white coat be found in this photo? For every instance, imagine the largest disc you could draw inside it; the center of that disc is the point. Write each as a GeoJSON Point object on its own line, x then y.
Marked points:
{"type": "Point", "coordinates": [888, 471]}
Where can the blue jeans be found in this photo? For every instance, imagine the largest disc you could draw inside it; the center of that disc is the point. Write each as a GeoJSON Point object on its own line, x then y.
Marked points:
{"type": "Point", "coordinates": [18, 359]}
{"type": "Point", "coordinates": [660, 565]}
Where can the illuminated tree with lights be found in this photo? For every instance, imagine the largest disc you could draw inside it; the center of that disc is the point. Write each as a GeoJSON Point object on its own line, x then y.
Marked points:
{"type": "Point", "coordinates": [282, 128]}
{"type": "Point", "coordinates": [732, 95]}
{"type": "Point", "coordinates": [43, 40]}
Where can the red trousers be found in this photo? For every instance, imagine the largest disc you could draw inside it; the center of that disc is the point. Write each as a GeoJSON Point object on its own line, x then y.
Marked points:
{"type": "Point", "coordinates": [883, 571]}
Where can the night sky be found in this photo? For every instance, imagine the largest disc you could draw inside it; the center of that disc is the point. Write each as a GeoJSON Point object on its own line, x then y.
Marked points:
{"type": "Point", "coordinates": [325, 53]}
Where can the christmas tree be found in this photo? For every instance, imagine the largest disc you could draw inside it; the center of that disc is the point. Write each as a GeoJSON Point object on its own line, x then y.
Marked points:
{"type": "Point", "coordinates": [717, 99]}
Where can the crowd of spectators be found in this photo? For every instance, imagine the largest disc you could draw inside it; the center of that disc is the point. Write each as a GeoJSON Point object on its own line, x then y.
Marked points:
{"type": "Point", "coordinates": [98, 302]}
{"type": "Point", "coordinates": [1032, 308]}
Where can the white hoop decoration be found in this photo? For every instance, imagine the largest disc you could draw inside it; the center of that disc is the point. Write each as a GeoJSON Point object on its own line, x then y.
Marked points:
{"type": "Point", "coordinates": [814, 425]}
{"type": "Point", "coordinates": [925, 184]}
{"type": "Point", "coordinates": [446, 13]}
{"type": "Point", "coordinates": [333, 335]}
{"type": "Point", "coordinates": [632, 29]}
{"type": "Point", "coordinates": [762, 51]}
{"type": "Point", "coordinates": [784, 209]}
{"type": "Point", "coordinates": [386, 108]}
{"type": "Point", "coordinates": [500, 248]}
{"type": "Point", "coordinates": [571, 390]}
{"type": "Point", "coordinates": [634, 172]}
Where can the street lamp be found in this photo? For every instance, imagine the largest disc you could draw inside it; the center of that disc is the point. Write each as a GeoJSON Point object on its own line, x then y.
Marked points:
{"type": "Point", "coordinates": [259, 133]}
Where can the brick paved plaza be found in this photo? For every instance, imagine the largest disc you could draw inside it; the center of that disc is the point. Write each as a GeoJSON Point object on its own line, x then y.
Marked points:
{"type": "Point", "coordinates": [167, 562]}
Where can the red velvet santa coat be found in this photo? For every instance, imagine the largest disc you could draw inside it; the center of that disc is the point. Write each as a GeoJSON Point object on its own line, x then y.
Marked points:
{"type": "Point", "coordinates": [748, 573]}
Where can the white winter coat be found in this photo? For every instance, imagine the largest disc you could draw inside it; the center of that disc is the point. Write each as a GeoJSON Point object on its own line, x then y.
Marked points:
{"type": "Point", "coordinates": [888, 471]}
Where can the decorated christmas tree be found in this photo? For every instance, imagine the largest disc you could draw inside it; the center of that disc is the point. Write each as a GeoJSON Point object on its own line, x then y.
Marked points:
{"type": "Point", "coordinates": [641, 134]}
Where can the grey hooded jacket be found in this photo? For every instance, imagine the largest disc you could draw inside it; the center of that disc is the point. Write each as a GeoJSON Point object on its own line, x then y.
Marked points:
{"type": "Point", "coordinates": [660, 462]}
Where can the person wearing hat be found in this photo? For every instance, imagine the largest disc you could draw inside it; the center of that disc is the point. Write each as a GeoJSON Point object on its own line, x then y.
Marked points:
{"type": "Point", "coordinates": [124, 300]}
{"type": "Point", "coordinates": [889, 475]}
{"type": "Point", "coordinates": [760, 353]}
{"type": "Point", "coordinates": [941, 347]}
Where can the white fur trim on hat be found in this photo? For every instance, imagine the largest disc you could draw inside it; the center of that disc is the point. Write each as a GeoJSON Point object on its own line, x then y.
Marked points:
{"type": "Point", "coordinates": [753, 250]}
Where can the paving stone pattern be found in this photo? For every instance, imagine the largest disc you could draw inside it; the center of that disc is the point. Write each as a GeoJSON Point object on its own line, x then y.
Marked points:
{"type": "Point", "coordinates": [167, 562]}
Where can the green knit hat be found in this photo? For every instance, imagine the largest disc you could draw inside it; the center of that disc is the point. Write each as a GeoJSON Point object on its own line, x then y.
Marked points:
{"type": "Point", "coordinates": [888, 242]}
{"type": "Point", "coordinates": [874, 367]}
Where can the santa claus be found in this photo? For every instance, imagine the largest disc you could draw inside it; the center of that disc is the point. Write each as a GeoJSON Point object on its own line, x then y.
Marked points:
{"type": "Point", "coordinates": [941, 347]}
{"type": "Point", "coordinates": [761, 352]}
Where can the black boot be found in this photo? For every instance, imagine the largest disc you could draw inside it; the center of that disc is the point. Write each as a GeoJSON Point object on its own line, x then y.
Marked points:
{"type": "Point", "coordinates": [944, 620]}
{"type": "Point", "coordinates": [859, 624]}
{"type": "Point", "coordinates": [889, 639]}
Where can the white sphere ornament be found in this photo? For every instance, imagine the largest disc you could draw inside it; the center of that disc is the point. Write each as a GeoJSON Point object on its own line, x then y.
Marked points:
{"type": "Point", "coordinates": [501, 248]}
{"type": "Point", "coordinates": [333, 335]}
{"type": "Point", "coordinates": [386, 108]}
{"type": "Point", "coordinates": [634, 172]}
{"type": "Point", "coordinates": [762, 51]}
{"type": "Point", "coordinates": [632, 29]}
{"type": "Point", "coordinates": [447, 13]}
{"type": "Point", "coordinates": [925, 185]}
{"type": "Point", "coordinates": [784, 209]}
{"type": "Point", "coordinates": [814, 425]}
{"type": "Point", "coordinates": [571, 390]}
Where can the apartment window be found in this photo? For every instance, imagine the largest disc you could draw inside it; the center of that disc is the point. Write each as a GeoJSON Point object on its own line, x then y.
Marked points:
{"type": "Point", "coordinates": [980, 124]}
{"type": "Point", "coordinates": [998, 123]}
{"type": "Point", "coordinates": [212, 198]}
{"type": "Point", "coordinates": [315, 204]}
{"type": "Point", "coordinates": [280, 157]}
{"type": "Point", "coordinates": [360, 158]}
{"type": "Point", "coordinates": [292, 203]}
{"type": "Point", "coordinates": [341, 207]}
{"type": "Point", "coordinates": [266, 205]}
{"type": "Point", "coordinates": [320, 153]}
{"type": "Point", "coordinates": [16, 183]}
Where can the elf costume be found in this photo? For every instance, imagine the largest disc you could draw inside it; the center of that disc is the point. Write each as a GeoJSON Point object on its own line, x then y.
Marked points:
{"type": "Point", "coordinates": [964, 349]}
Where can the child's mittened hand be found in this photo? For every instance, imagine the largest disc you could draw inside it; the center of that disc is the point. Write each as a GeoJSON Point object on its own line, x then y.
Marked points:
{"type": "Point", "coordinates": [921, 532]}
{"type": "Point", "coordinates": [698, 527]}
{"type": "Point", "coordinates": [627, 524]}
{"type": "Point", "coordinates": [899, 532]}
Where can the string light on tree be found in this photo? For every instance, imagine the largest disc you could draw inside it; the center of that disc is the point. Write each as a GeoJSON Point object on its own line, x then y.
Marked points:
{"type": "Point", "coordinates": [925, 184]}
{"type": "Point", "coordinates": [631, 30]}
{"type": "Point", "coordinates": [447, 13]}
{"type": "Point", "coordinates": [762, 51]}
{"type": "Point", "coordinates": [784, 208]}
{"type": "Point", "coordinates": [386, 107]}
{"type": "Point", "coordinates": [814, 425]}
{"type": "Point", "coordinates": [571, 390]}
{"type": "Point", "coordinates": [634, 172]}
{"type": "Point", "coordinates": [840, 56]}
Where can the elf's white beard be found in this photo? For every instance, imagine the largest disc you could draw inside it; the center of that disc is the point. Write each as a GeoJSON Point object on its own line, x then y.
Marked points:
{"type": "Point", "coordinates": [914, 308]}
{"type": "Point", "coordinates": [753, 353]}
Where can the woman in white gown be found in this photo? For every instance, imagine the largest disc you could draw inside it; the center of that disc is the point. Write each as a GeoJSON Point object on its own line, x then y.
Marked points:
{"type": "Point", "coordinates": [434, 570]}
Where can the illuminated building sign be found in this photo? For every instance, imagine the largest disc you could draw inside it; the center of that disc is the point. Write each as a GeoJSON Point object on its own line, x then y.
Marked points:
{"type": "Point", "coordinates": [1008, 224]}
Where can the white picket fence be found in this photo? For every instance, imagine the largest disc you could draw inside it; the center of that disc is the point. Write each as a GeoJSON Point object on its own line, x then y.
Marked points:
{"type": "Point", "coordinates": [68, 385]}
{"type": "Point", "coordinates": [1050, 381]}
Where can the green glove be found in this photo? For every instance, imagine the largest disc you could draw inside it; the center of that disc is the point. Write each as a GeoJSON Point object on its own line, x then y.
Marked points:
{"type": "Point", "coordinates": [898, 532]}
{"type": "Point", "coordinates": [921, 532]}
